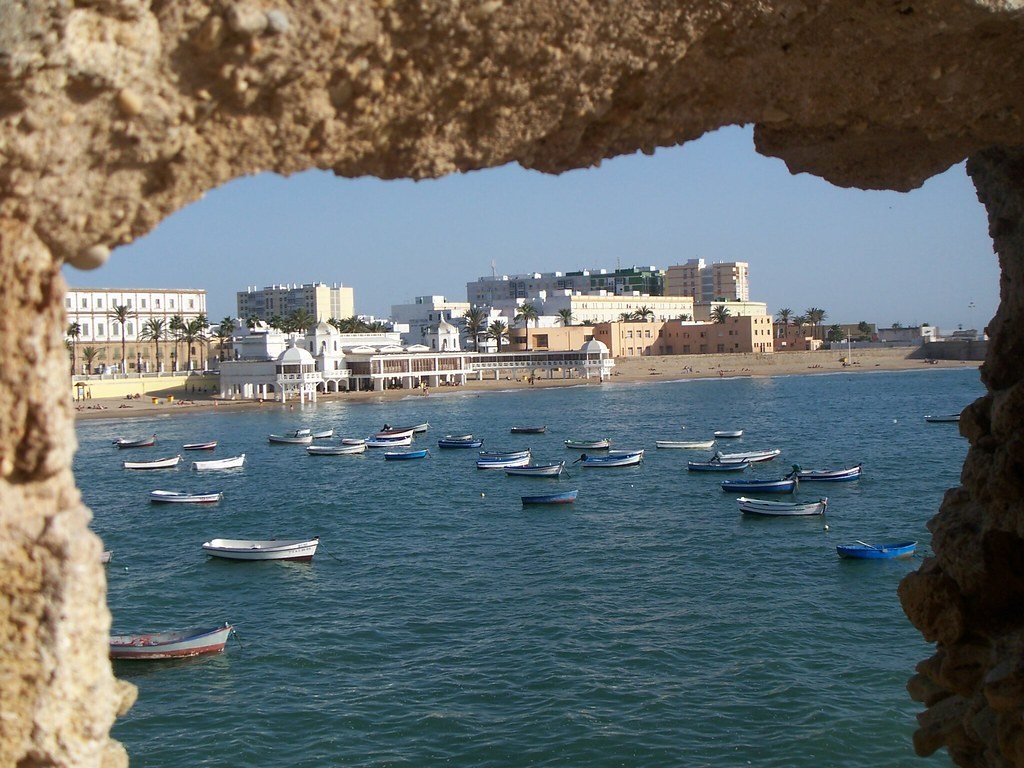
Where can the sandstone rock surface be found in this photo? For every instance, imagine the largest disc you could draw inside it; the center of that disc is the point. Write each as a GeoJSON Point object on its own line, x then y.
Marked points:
{"type": "Point", "coordinates": [115, 113]}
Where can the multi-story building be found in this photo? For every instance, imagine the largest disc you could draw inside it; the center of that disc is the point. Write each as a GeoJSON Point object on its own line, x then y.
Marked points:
{"type": "Point", "coordinates": [705, 310]}
{"type": "Point", "coordinates": [488, 291]}
{"type": "Point", "coordinates": [606, 308]}
{"type": "Point", "coordinates": [424, 314]}
{"type": "Point", "coordinates": [729, 280]}
{"type": "Point", "coordinates": [92, 309]}
{"type": "Point", "coordinates": [322, 301]}
{"type": "Point", "coordinates": [740, 334]}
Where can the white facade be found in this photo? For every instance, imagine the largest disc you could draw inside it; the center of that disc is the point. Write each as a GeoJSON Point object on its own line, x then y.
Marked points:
{"type": "Point", "coordinates": [92, 309]}
{"type": "Point", "coordinates": [321, 300]}
{"type": "Point", "coordinates": [729, 280]}
{"type": "Point", "coordinates": [704, 309]}
{"type": "Point", "coordinates": [421, 317]}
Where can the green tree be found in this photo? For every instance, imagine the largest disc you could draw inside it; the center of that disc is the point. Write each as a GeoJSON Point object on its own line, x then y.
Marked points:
{"type": "Point", "coordinates": [645, 314]}
{"type": "Point", "coordinates": [685, 317]}
{"type": "Point", "coordinates": [90, 355]}
{"type": "Point", "coordinates": [225, 328]}
{"type": "Point", "coordinates": [784, 316]}
{"type": "Point", "coordinates": [525, 314]}
{"type": "Point", "coordinates": [720, 314]}
{"type": "Point", "coordinates": [835, 333]}
{"type": "Point", "coordinates": [498, 330]}
{"type": "Point", "coordinates": [301, 320]}
{"type": "Point", "coordinates": [155, 330]}
{"type": "Point", "coordinates": [799, 321]}
{"type": "Point", "coordinates": [74, 333]}
{"type": "Point", "coordinates": [627, 317]}
{"type": "Point", "coordinates": [897, 326]}
{"type": "Point", "coordinates": [337, 323]}
{"type": "Point", "coordinates": [122, 315]}
{"type": "Point", "coordinates": [815, 317]}
{"type": "Point", "coordinates": [176, 326]}
{"type": "Point", "coordinates": [277, 322]}
{"type": "Point", "coordinates": [565, 315]}
{"type": "Point", "coordinates": [194, 331]}
{"type": "Point", "coordinates": [476, 319]}
{"type": "Point", "coordinates": [252, 321]}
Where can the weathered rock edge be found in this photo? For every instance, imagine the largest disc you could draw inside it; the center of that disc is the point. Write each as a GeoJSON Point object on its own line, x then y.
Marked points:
{"type": "Point", "coordinates": [115, 113]}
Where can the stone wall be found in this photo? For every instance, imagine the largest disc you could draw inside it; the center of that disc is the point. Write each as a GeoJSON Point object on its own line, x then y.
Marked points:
{"type": "Point", "coordinates": [115, 113]}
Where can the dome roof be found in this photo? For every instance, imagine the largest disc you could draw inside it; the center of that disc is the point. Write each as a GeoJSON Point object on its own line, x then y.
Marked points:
{"type": "Point", "coordinates": [445, 327]}
{"type": "Point", "coordinates": [594, 346]}
{"type": "Point", "coordinates": [325, 327]}
{"type": "Point", "coordinates": [295, 356]}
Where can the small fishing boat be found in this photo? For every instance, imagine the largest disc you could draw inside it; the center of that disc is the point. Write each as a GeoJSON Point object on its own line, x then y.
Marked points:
{"type": "Point", "coordinates": [728, 433]}
{"type": "Point", "coordinates": [781, 508]}
{"type": "Point", "coordinates": [106, 557]}
{"type": "Point", "coordinates": [750, 456]}
{"type": "Point", "coordinates": [537, 470]}
{"type": "Point", "coordinates": [516, 461]}
{"type": "Point", "coordinates": [828, 475]}
{"type": "Point", "coordinates": [623, 452]}
{"type": "Point", "coordinates": [170, 645]}
{"type": "Point", "coordinates": [695, 445]}
{"type": "Point", "coordinates": [484, 455]}
{"type": "Point", "coordinates": [529, 430]}
{"type": "Point", "coordinates": [393, 434]}
{"type": "Point", "coordinates": [353, 441]}
{"type": "Point", "coordinates": [460, 441]}
{"type": "Point", "coordinates": [323, 434]}
{"type": "Point", "coordinates": [156, 464]}
{"type": "Point", "coordinates": [628, 460]}
{"type": "Point", "coordinates": [716, 466]}
{"type": "Point", "coordinates": [233, 462]}
{"type": "Point", "coordinates": [565, 497]}
{"type": "Point", "coordinates": [292, 439]}
{"type": "Point", "coordinates": [336, 450]}
{"type": "Point", "coordinates": [588, 445]}
{"type": "Point", "coordinates": [405, 455]}
{"type": "Point", "coordinates": [416, 428]}
{"type": "Point", "coordinates": [269, 549]}
{"type": "Point", "coordinates": [209, 446]}
{"type": "Point", "coordinates": [782, 485]}
{"type": "Point", "coordinates": [865, 551]}
{"type": "Point", "coordinates": [140, 442]}
{"type": "Point", "coordinates": [378, 442]}
{"type": "Point", "coordinates": [948, 418]}
{"type": "Point", "coordinates": [174, 497]}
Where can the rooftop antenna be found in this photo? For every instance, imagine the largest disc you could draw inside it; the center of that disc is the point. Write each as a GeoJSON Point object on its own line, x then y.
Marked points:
{"type": "Point", "coordinates": [493, 265]}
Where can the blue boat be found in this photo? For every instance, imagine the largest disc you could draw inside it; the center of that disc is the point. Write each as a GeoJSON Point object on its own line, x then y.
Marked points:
{"type": "Point", "coordinates": [867, 551]}
{"type": "Point", "coordinates": [717, 466]}
{"type": "Point", "coordinates": [565, 497]}
{"type": "Point", "coordinates": [405, 455]}
{"type": "Point", "coordinates": [828, 475]}
{"type": "Point", "coordinates": [459, 442]}
{"type": "Point", "coordinates": [782, 485]}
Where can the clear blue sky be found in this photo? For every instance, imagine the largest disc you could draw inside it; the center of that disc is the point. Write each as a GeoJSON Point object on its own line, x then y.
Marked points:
{"type": "Point", "coordinates": [875, 256]}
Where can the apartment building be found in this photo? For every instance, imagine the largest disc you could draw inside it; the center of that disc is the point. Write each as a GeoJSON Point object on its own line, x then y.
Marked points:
{"type": "Point", "coordinates": [321, 300]}
{"type": "Point", "coordinates": [488, 291]}
{"type": "Point", "coordinates": [728, 280]}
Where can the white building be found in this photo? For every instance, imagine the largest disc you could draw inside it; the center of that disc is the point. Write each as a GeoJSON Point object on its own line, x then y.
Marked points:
{"type": "Point", "coordinates": [421, 317]}
{"type": "Point", "coordinates": [729, 280]}
{"type": "Point", "coordinates": [322, 301]}
{"type": "Point", "coordinates": [486, 291]}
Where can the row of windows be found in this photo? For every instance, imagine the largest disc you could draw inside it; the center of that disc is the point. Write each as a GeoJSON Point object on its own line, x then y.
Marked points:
{"type": "Point", "coordinates": [128, 303]}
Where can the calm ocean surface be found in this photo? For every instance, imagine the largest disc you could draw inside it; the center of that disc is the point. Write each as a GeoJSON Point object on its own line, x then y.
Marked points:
{"type": "Point", "coordinates": [648, 624]}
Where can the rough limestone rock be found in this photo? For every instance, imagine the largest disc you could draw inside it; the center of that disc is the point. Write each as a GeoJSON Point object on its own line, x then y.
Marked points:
{"type": "Point", "coordinates": [115, 113]}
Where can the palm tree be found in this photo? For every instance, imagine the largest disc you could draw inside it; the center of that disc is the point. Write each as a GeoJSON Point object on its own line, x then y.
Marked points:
{"type": "Point", "coordinates": [815, 316]}
{"type": "Point", "coordinates": [74, 332]}
{"type": "Point", "coordinates": [122, 315]}
{"type": "Point", "coordinates": [377, 326]}
{"type": "Point", "coordinates": [565, 315]}
{"type": "Point", "coordinates": [300, 320]}
{"type": "Point", "coordinates": [176, 326]}
{"type": "Point", "coordinates": [277, 322]}
{"type": "Point", "coordinates": [154, 330]}
{"type": "Point", "coordinates": [720, 314]}
{"type": "Point", "coordinates": [224, 330]}
{"type": "Point", "coordinates": [337, 324]}
{"type": "Point", "coordinates": [627, 317]}
{"type": "Point", "coordinates": [645, 314]}
{"type": "Point", "coordinates": [476, 319]}
{"type": "Point", "coordinates": [784, 316]}
{"type": "Point", "coordinates": [251, 321]}
{"type": "Point", "coordinates": [89, 354]}
{"type": "Point", "coordinates": [525, 314]}
{"type": "Point", "coordinates": [799, 321]}
{"type": "Point", "coordinates": [194, 331]}
{"type": "Point", "coordinates": [498, 330]}
{"type": "Point", "coordinates": [685, 317]}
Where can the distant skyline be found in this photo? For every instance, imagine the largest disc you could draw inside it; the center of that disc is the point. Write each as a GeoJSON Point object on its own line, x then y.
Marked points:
{"type": "Point", "coordinates": [883, 257]}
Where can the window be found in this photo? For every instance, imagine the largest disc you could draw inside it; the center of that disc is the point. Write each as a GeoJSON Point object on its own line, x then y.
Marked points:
{"type": "Point", "coordinates": [157, 302]}
{"type": "Point", "coordinates": [85, 329]}
{"type": "Point", "coordinates": [191, 304]}
{"type": "Point", "coordinates": [128, 303]}
{"type": "Point", "coordinates": [85, 303]}
{"type": "Point", "coordinates": [99, 329]}
{"type": "Point", "coordinates": [647, 334]}
{"type": "Point", "coordinates": [99, 303]}
{"type": "Point", "coordinates": [721, 347]}
{"type": "Point", "coordinates": [67, 303]}
{"type": "Point", "coordinates": [113, 328]}
{"type": "Point", "coordinates": [143, 301]}
{"type": "Point", "coordinates": [171, 304]}
{"type": "Point", "coordinates": [128, 328]}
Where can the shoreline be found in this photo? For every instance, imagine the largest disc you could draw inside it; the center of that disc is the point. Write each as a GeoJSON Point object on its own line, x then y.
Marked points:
{"type": "Point", "coordinates": [627, 371]}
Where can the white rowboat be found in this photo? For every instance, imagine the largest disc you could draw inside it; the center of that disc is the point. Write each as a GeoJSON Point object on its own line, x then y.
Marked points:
{"type": "Point", "coordinates": [537, 470]}
{"type": "Point", "coordinates": [208, 446]}
{"type": "Point", "coordinates": [696, 445]}
{"type": "Point", "coordinates": [380, 443]}
{"type": "Point", "coordinates": [268, 549]}
{"type": "Point", "coordinates": [781, 508]}
{"type": "Point", "coordinates": [353, 441]}
{"type": "Point", "coordinates": [752, 456]}
{"type": "Point", "coordinates": [157, 464]}
{"type": "Point", "coordinates": [728, 433]}
{"type": "Point", "coordinates": [335, 450]}
{"type": "Point", "coordinates": [518, 461]}
{"type": "Point", "coordinates": [323, 434]}
{"type": "Point", "coordinates": [291, 439]}
{"type": "Point", "coordinates": [233, 463]}
{"type": "Point", "coordinates": [174, 497]}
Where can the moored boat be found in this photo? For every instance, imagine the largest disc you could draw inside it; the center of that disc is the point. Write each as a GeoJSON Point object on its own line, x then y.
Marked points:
{"type": "Point", "coordinates": [626, 452]}
{"type": "Point", "coordinates": [416, 428]}
{"type": "Point", "coordinates": [378, 442]}
{"type": "Point", "coordinates": [828, 475]}
{"type": "Point", "coordinates": [537, 470]}
{"type": "Point", "coordinates": [106, 557]}
{"type": "Point", "coordinates": [588, 445]}
{"type": "Point", "coordinates": [498, 463]}
{"type": "Point", "coordinates": [336, 450]}
{"type": "Point", "coordinates": [865, 551]}
{"type": "Point", "coordinates": [405, 455]}
{"type": "Point", "coordinates": [627, 460]}
{"type": "Point", "coordinates": [139, 442]}
{"type": "Point", "coordinates": [696, 445]}
{"type": "Point", "coordinates": [484, 455]}
{"type": "Point", "coordinates": [781, 508]}
{"type": "Point", "coordinates": [459, 441]}
{"type": "Point", "coordinates": [528, 430]}
{"type": "Point", "coordinates": [750, 456]}
{"type": "Point", "coordinates": [292, 439]}
{"type": "Point", "coordinates": [176, 497]}
{"type": "Point", "coordinates": [169, 463]}
{"type": "Point", "coordinates": [266, 549]}
{"type": "Point", "coordinates": [233, 462]}
{"type": "Point", "coordinates": [782, 485]}
{"type": "Point", "coordinates": [565, 497]}
{"type": "Point", "coordinates": [353, 441]}
{"type": "Point", "coordinates": [948, 418]}
{"type": "Point", "coordinates": [716, 466]}
{"type": "Point", "coordinates": [323, 434]}
{"type": "Point", "coordinates": [728, 433]}
{"type": "Point", "coordinates": [170, 645]}
{"type": "Point", "coordinates": [208, 446]}
{"type": "Point", "coordinates": [393, 434]}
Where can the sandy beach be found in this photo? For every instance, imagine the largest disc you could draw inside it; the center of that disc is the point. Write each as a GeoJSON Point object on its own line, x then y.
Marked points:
{"type": "Point", "coordinates": [640, 369]}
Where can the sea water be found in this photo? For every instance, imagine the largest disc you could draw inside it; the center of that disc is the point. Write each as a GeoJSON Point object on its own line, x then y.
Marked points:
{"type": "Point", "coordinates": [442, 622]}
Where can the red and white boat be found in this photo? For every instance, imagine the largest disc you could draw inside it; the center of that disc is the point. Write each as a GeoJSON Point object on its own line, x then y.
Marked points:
{"type": "Point", "coordinates": [271, 549]}
{"type": "Point", "coordinates": [170, 645]}
{"type": "Point", "coordinates": [173, 461]}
